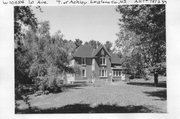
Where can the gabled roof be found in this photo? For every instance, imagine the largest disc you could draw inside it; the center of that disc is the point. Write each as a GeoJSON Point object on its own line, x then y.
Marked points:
{"type": "Point", "coordinates": [87, 51]}
{"type": "Point", "coordinates": [83, 51]}
{"type": "Point", "coordinates": [98, 49]}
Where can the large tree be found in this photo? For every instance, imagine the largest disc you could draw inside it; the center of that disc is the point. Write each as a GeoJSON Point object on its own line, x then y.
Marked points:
{"type": "Point", "coordinates": [23, 17]}
{"type": "Point", "coordinates": [51, 55]}
{"type": "Point", "coordinates": [148, 23]}
{"type": "Point", "coordinates": [37, 54]}
{"type": "Point", "coordinates": [78, 42]}
{"type": "Point", "coordinates": [94, 44]}
{"type": "Point", "coordinates": [108, 45]}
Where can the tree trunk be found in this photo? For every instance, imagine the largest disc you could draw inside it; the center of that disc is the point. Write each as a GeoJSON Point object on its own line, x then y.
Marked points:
{"type": "Point", "coordinates": [156, 78]}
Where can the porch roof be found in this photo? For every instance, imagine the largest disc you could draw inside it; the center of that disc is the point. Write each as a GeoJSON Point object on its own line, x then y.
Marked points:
{"type": "Point", "coordinates": [118, 67]}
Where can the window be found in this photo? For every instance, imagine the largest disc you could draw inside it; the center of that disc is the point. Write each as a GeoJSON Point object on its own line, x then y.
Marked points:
{"type": "Point", "coordinates": [116, 73]}
{"type": "Point", "coordinates": [83, 61]}
{"type": "Point", "coordinates": [119, 73]}
{"type": "Point", "coordinates": [84, 72]}
{"type": "Point", "coordinates": [103, 73]}
{"type": "Point", "coordinates": [103, 61]}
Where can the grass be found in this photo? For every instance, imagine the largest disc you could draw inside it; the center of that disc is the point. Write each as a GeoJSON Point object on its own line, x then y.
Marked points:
{"type": "Point", "coordinates": [150, 83]}
{"type": "Point", "coordinates": [117, 97]}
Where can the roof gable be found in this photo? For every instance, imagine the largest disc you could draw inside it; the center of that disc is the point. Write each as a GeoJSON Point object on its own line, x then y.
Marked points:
{"type": "Point", "coordinates": [96, 51]}
{"type": "Point", "coordinates": [89, 52]}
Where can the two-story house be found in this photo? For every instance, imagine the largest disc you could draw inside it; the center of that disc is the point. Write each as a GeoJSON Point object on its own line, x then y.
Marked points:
{"type": "Point", "coordinates": [97, 64]}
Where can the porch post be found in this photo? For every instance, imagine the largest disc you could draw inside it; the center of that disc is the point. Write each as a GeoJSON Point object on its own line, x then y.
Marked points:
{"type": "Point", "coordinates": [93, 64]}
{"type": "Point", "coordinates": [111, 75]}
{"type": "Point", "coordinates": [93, 71]}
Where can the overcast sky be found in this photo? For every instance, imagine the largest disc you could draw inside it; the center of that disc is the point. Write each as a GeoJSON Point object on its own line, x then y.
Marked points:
{"type": "Point", "coordinates": [84, 22]}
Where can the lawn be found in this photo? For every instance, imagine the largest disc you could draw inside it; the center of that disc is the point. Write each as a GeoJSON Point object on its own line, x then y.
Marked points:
{"type": "Point", "coordinates": [118, 97]}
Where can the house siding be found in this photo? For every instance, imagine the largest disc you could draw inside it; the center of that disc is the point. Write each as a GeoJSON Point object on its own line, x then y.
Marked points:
{"type": "Point", "coordinates": [87, 67]}
{"type": "Point", "coordinates": [107, 66]}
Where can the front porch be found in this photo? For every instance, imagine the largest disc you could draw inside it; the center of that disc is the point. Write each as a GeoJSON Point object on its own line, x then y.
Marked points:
{"type": "Point", "coordinates": [118, 73]}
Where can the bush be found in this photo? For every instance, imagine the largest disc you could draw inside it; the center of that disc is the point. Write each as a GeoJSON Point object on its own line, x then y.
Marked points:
{"type": "Point", "coordinates": [52, 84]}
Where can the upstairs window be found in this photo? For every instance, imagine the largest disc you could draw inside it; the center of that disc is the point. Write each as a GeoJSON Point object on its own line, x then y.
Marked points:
{"type": "Point", "coordinates": [102, 61]}
{"type": "Point", "coordinates": [83, 61]}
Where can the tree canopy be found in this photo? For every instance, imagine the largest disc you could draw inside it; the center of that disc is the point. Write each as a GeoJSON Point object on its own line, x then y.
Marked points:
{"type": "Point", "coordinates": [93, 43]}
{"type": "Point", "coordinates": [142, 30]}
{"type": "Point", "coordinates": [39, 57]}
{"type": "Point", "coordinates": [147, 22]}
{"type": "Point", "coordinates": [108, 45]}
{"type": "Point", "coordinates": [78, 42]}
{"type": "Point", "coordinates": [23, 17]}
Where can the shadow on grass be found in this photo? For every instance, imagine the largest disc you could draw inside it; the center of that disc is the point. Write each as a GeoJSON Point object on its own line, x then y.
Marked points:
{"type": "Point", "coordinates": [162, 94]}
{"type": "Point", "coordinates": [149, 84]}
{"type": "Point", "coordinates": [85, 108]}
{"type": "Point", "coordinates": [73, 86]}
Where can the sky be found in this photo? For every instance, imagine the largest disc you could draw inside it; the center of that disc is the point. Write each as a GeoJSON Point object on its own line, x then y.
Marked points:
{"type": "Point", "coordinates": [99, 23]}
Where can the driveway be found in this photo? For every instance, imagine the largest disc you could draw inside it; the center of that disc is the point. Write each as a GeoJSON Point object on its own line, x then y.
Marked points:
{"type": "Point", "coordinates": [118, 97]}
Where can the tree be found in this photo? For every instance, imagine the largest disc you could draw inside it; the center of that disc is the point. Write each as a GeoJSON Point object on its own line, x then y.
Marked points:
{"type": "Point", "coordinates": [68, 45]}
{"type": "Point", "coordinates": [86, 43]}
{"type": "Point", "coordinates": [148, 23]}
{"type": "Point", "coordinates": [108, 45]}
{"type": "Point", "coordinates": [127, 47]}
{"type": "Point", "coordinates": [44, 57]}
{"type": "Point", "coordinates": [23, 17]}
{"type": "Point", "coordinates": [78, 42]}
{"type": "Point", "coordinates": [40, 45]}
{"type": "Point", "coordinates": [51, 57]}
{"type": "Point", "coordinates": [39, 58]}
{"type": "Point", "coordinates": [94, 44]}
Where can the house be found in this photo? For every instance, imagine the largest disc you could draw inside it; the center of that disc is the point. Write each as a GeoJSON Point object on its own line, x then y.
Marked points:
{"type": "Point", "coordinates": [96, 64]}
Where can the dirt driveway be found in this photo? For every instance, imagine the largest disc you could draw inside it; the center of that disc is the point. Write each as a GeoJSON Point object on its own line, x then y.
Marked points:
{"type": "Point", "coordinates": [118, 97]}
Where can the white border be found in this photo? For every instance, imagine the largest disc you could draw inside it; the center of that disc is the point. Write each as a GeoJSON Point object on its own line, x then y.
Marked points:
{"type": "Point", "coordinates": [7, 70]}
